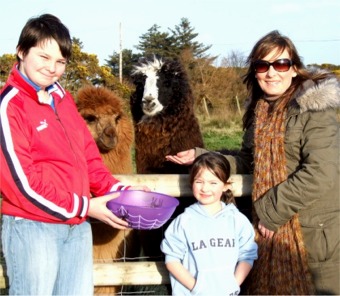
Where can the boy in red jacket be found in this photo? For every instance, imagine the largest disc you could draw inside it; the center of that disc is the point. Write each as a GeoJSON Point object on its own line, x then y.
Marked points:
{"type": "Point", "coordinates": [50, 168]}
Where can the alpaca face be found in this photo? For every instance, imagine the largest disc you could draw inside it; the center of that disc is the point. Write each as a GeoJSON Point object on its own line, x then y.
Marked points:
{"type": "Point", "coordinates": [150, 103]}
{"type": "Point", "coordinates": [103, 127]}
{"type": "Point", "coordinates": [104, 116]}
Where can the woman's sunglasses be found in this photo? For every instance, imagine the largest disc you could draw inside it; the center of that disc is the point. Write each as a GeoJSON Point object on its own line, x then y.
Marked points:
{"type": "Point", "coordinates": [280, 65]}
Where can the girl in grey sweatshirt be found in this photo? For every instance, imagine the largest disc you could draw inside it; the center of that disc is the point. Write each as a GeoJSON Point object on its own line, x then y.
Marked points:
{"type": "Point", "coordinates": [209, 249]}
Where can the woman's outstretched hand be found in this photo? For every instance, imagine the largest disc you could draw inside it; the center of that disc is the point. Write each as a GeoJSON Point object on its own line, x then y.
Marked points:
{"type": "Point", "coordinates": [186, 157]}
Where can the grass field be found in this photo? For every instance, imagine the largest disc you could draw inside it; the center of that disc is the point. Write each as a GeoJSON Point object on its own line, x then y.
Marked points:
{"type": "Point", "coordinates": [215, 140]}
{"type": "Point", "coordinates": [221, 132]}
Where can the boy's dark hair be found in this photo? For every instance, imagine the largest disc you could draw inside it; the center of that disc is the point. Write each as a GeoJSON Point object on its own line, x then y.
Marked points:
{"type": "Point", "coordinates": [42, 28]}
{"type": "Point", "coordinates": [219, 166]}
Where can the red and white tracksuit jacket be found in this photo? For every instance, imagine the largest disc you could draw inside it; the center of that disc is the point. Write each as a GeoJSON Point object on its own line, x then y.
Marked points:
{"type": "Point", "coordinates": [49, 161]}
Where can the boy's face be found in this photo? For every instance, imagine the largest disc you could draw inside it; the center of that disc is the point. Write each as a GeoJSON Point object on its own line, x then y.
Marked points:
{"type": "Point", "coordinates": [44, 63]}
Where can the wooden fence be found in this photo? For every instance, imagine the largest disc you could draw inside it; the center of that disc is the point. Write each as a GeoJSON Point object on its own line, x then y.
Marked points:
{"type": "Point", "coordinates": [147, 273]}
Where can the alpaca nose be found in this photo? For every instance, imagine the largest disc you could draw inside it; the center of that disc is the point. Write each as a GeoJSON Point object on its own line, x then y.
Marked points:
{"type": "Point", "coordinates": [149, 101]}
{"type": "Point", "coordinates": [109, 131]}
{"type": "Point", "coordinates": [107, 140]}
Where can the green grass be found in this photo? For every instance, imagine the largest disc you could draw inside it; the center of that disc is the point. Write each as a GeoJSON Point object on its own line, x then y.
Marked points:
{"type": "Point", "coordinates": [221, 132]}
{"type": "Point", "coordinates": [215, 140]}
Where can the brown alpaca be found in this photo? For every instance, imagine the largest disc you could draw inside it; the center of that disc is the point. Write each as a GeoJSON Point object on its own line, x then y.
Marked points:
{"type": "Point", "coordinates": [109, 125]}
{"type": "Point", "coordinates": [113, 132]}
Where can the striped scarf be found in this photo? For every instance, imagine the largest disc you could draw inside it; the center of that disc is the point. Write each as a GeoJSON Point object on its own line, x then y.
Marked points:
{"type": "Point", "coordinates": [281, 268]}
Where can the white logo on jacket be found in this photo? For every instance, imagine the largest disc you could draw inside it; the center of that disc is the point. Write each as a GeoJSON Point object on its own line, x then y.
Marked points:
{"type": "Point", "coordinates": [43, 125]}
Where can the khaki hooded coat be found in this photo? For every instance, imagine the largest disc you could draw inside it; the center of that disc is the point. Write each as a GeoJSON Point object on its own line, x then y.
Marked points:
{"type": "Point", "coordinates": [312, 188]}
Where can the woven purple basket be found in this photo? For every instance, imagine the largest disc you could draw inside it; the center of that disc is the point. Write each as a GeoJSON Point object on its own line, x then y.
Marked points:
{"type": "Point", "coordinates": [143, 210]}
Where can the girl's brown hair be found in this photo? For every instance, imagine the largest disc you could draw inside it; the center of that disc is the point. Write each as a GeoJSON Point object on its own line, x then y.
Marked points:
{"type": "Point", "coordinates": [219, 166]}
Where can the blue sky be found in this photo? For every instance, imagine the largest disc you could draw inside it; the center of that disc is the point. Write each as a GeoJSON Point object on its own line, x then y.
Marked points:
{"type": "Point", "coordinates": [313, 25]}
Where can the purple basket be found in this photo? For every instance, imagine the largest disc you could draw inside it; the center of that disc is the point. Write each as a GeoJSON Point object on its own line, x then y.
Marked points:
{"type": "Point", "coordinates": [143, 210]}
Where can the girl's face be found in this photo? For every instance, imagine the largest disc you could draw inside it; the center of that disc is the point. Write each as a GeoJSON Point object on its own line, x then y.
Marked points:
{"type": "Point", "coordinates": [207, 188]}
{"type": "Point", "coordinates": [44, 63]}
{"type": "Point", "coordinates": [272, 82]}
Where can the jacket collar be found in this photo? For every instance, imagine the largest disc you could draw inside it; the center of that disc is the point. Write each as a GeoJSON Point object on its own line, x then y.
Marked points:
{"type": "Point", "coordinates": [318, 96]}
{"type": "Point", "coordinates": [18, 80]}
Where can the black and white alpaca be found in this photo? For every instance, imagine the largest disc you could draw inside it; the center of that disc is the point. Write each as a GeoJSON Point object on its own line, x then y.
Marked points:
{"type": "Point", "coordinates": [162, 108]}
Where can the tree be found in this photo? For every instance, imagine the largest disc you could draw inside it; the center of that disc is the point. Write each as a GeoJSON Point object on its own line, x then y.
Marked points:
{"type": "Point", "coordinates": [329, 67]}
{"type": "Point", "coordinates": [172, 44]}
{"type": "Point", "coordinates": [183, 35]}
{"type": "Point", "coordinates": [128, 60]}
{"type": "Point", "coordinates": [236, 65]}
{"type": "Point", "coordinates": [6, 64]}
{"type": "Point", "coordinates": [84, 69]}
{"type": "Point", "coordinates": [81, 69]}
{"type": "Point", "coordinates": [234, 59]}
{"type": "Point", "coordinates": [156, 42]}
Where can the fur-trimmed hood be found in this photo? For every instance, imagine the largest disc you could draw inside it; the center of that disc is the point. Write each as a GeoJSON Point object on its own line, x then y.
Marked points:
{"type": "Point", "coordinates": [319, 96]}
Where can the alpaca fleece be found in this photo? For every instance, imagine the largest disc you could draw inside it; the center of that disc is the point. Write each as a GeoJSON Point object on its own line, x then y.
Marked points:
{"type": "Point", "coordinates": [112, 130]}
{"type": "Point", "coordinates": [175, 128]}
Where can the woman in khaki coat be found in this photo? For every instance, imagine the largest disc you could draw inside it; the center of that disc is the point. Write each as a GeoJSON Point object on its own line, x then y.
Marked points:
{"type": "Point", "coordinates": [291, 146]}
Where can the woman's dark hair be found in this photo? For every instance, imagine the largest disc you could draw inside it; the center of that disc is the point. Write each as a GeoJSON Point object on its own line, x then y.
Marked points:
{"type": "Point", "coordinates": [273, 41]}
{"type": "Point", "coordinates": [41, 29]}
{"type": "Point", "coordinates": [219, 166]}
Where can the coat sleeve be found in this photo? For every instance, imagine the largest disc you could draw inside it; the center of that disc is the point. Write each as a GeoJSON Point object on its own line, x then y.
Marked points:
{"type": "Point", "coordinates": [317, 156]}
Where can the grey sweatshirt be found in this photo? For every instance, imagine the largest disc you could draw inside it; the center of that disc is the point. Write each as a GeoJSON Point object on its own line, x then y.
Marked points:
{"type": "Point", "coordinates": [210, 248]}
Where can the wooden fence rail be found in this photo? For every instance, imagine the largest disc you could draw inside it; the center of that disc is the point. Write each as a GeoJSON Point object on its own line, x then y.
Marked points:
{"type": "Point", "coordinates": [147, 273]}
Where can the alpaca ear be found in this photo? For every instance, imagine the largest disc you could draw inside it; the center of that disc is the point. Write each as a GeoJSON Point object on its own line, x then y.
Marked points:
{"type": "Point", "coordinates": [142, 60]}
{"type": "Point", "coordinates": [166, 67]}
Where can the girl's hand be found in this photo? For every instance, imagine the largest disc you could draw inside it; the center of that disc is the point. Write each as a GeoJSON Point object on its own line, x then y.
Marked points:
{"type": "Point", "coordinates": [186, 157]}
{"type": "Point", "coordinates": [266, 233]}
{"type": "Point", "coordinates": [98, 210]}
